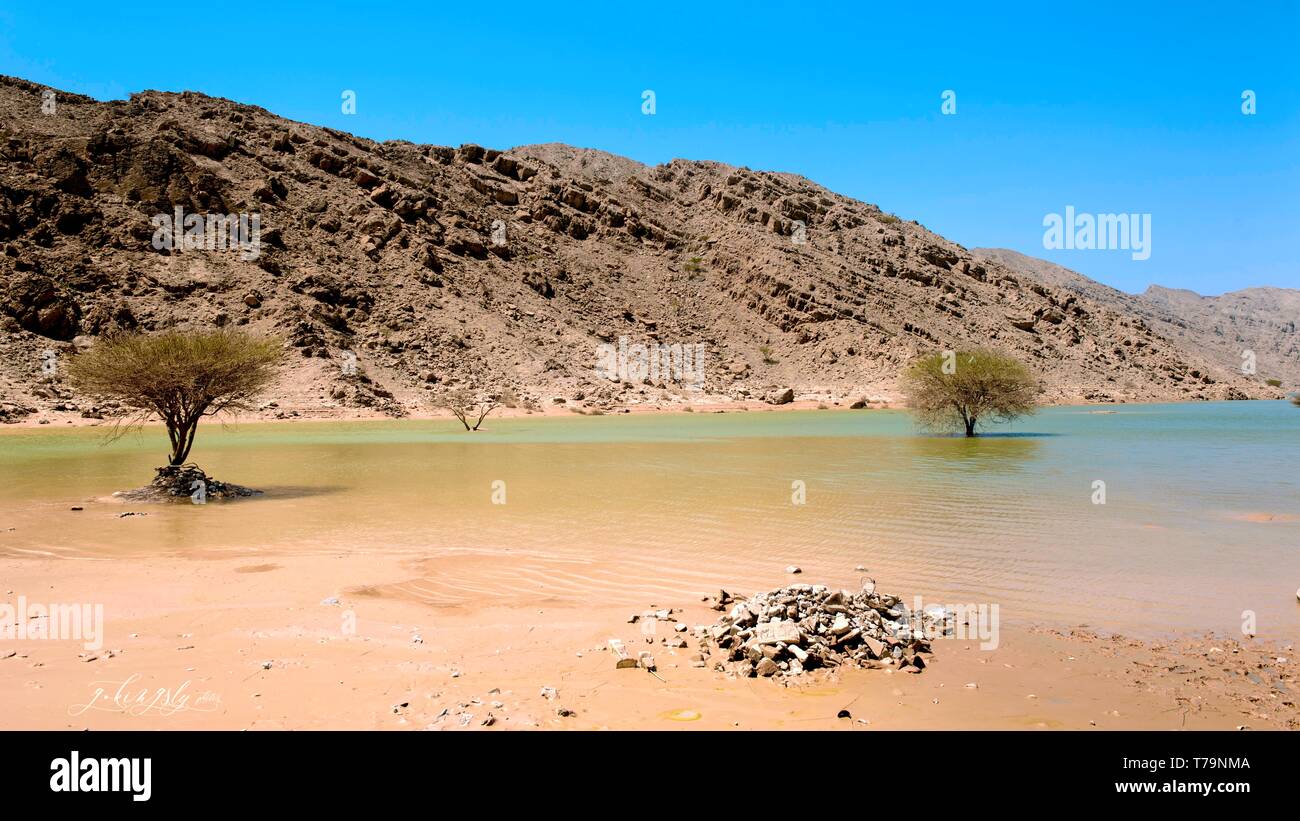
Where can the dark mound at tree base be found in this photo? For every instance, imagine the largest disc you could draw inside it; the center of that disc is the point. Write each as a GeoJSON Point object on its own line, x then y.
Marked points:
{"type": "Point", "coordinates": [184, 482]}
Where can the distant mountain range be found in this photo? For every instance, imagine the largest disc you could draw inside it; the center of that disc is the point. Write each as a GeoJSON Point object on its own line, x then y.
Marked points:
{"type": "Point", "coordinates": [1262, 320]}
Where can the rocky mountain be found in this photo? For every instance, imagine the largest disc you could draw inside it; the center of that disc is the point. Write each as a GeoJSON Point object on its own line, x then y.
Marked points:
{"type": "Point", "coordinates": [1222, 328]}
{"type": "Point", "coordinates": [395, 270]}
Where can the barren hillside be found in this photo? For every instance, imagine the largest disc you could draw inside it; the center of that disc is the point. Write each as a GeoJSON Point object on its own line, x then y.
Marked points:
{"type": "Point", "coordinates": [506, 270]}
{"type": "Point", "coordinates": [1222, 328]}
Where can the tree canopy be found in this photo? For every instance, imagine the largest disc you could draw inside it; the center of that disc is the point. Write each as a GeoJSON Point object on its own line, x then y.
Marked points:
{"type": "Point", "coordinates": [964, 389]}
{"type": "Point", "coordinates": [178, 376]}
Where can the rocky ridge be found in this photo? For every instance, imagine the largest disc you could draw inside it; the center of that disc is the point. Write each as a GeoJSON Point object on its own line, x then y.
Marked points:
{"type": "Point", "coordinates": [1222, 328]}
{"type": "Point", "coordinates": [396, 271]}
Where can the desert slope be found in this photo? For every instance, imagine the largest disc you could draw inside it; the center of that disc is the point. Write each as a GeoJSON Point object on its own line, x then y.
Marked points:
{"type": "Point", "coordinates": [1221, 328]}
{"type": "Point", "coordinates": [386, 250]}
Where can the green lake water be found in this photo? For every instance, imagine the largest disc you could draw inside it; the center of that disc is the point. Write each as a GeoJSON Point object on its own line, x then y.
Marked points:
{"type": "Point", "coordinates": [1201, 519]}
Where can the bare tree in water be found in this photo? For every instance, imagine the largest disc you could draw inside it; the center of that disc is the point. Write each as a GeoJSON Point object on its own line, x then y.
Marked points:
{"type": "Point", "coordinates": [465, 407]}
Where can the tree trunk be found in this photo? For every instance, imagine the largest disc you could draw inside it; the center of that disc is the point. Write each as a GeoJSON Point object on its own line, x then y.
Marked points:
{"type": "Point", "coordinates": [970, 426]}
{"type": "Point", "coordinates": [182, 441]}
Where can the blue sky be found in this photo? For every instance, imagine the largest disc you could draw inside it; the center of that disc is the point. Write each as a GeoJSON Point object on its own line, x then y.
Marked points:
{"type": "Point", "coordinates": [1112, 107]}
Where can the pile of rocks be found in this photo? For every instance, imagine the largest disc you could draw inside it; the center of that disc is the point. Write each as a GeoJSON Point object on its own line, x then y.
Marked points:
{"type": "Point", "coordinates": [801, 627]}
{"type": "Point", "coordinates": [176, 482]}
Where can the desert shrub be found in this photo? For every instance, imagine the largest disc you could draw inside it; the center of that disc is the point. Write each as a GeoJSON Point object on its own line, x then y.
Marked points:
{"type": "Point", "coordinates": [964, 389]}
{"type": "Point", "coordinates": [178, 376]}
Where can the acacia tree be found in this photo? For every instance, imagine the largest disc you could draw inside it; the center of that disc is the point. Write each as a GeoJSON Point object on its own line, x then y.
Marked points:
{"type": "Point", "coordinates": [968, 388]}
{"type": "Point", "coordinates": [463, 406]}
{"type": "Point", "coordinates": [177, 376]}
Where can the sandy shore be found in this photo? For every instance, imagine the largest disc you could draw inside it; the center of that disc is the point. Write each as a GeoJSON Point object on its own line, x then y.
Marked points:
{"type": "Point", "coordinates": [342, 414]}
{"type": "Point", "coordinates": [317, 413]}
{"type": "Point", "coordinates": [314, 642]}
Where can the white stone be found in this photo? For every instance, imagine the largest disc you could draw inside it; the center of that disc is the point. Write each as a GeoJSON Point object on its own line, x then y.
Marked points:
{"type": "Point", "coordinates": [773, 632]}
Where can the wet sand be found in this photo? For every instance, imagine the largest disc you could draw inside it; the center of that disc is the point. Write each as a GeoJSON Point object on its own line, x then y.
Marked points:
{"type": "Point", "coordinates": [258, 643]}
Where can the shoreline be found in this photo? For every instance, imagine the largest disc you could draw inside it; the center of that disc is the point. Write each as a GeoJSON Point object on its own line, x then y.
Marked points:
{"type": "Point", "coordinates": [63, 419]}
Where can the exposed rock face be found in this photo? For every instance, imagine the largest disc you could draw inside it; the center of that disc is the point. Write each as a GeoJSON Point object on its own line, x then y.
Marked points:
{"type": "Point", "coordinates": [1217, 328]}
{"type": "Point", "coordinates": [42, 307]}
{"type": "Point", "coordinates": [382, 263]}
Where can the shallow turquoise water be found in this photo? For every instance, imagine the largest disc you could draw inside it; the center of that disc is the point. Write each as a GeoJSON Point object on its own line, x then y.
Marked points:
{"type": "Point", "coordinates": [1201, 519]}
